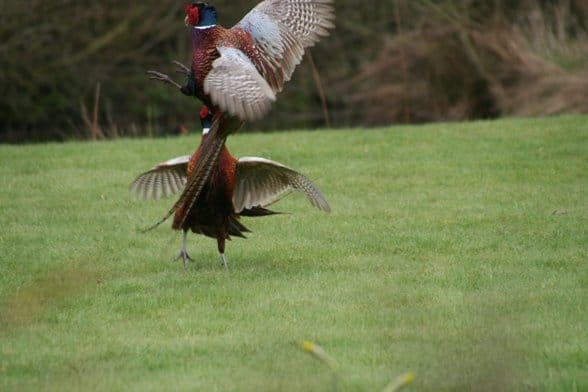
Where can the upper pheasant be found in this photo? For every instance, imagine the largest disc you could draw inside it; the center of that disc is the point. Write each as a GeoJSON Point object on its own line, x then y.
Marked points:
{"type": "Point", "coordinates": [239, 70]}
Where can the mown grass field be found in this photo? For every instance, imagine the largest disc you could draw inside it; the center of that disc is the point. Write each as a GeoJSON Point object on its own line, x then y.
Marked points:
{"type": "Point", "coordinates": [456, 251]}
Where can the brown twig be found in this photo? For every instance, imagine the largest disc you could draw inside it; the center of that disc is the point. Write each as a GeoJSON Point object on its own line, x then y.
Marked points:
{"type": "Point", "coordinates": [96, 131]}
{"type": "Point", "coordinates": [85, 117]}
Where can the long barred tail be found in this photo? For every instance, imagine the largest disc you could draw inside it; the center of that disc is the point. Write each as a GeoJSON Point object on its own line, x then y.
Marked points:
{"type": "Point", "coordinates": [156, 225]}
{"type": "Point", "coordinates": [222, 126]}
{"type": "Point", "coordinates": [206, 162]}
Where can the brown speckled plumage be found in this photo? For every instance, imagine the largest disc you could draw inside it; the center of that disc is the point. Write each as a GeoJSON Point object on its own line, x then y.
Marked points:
{"type": "Point", "coordinates": [239, 70]}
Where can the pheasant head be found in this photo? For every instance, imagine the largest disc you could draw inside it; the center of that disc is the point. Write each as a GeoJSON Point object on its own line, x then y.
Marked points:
{"type": "Point", "coordinates": [200, 15]}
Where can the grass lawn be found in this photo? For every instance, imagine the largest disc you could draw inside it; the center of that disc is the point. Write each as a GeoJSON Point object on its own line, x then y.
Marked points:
{"type": "Point", "coordinates": [456, 251]}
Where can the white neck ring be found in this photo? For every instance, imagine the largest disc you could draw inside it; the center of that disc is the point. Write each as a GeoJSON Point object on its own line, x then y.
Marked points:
{"type": "Point", "coordinates": [204, 27]}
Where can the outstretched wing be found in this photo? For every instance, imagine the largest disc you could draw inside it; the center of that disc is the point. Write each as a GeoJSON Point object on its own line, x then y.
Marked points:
{"type": "Point", "coordinates": [164, 179]}
{"type": "Point", "coordinates": [236, 87]}
{"type": "Point", "coordinates": [281, 29]}
{"type": "Point", "coordinates": [261, 182]}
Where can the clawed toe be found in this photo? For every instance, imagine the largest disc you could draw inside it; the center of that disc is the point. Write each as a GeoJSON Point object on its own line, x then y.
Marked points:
{"type": "Point", "coordinates": [155, 75]}
{"type": "Point", "coordinates": [185, 257]}
{"type": "Point", "coordinates": [182, 68]}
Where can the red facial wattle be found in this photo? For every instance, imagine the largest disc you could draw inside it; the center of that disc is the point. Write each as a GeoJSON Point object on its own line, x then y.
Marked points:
{"type": "Point", "coordinates": [203, 112]}
{"type": "Point", "coordinates": [192, 16]}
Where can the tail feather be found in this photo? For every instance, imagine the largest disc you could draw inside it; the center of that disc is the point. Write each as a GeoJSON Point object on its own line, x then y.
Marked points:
{"type": "Point", "coordinates": [222, 126]}
{"type": "Point", "coordinates": [156, 225]}
{"type": "Point", "coordinates": [258, 211]}
{"type": "Point", "coordinates": [237, 228]}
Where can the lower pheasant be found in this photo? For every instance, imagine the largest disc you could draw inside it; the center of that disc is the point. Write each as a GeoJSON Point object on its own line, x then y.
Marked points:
{"type": "Point", "coordinates": [234, 188]}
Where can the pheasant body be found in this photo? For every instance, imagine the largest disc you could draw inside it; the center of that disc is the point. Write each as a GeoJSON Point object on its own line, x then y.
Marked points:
{"type": "Point", "coordinates": [234, 188]}
{"type": "Point", "coordinates": [239, 70]}
{"type": "Point", "coordinates": [205, 52]}
{"type": "Point", "coordinates": [213, 209]}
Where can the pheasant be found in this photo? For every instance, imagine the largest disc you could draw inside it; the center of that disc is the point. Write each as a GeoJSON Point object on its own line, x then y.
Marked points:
{"type": "Point", "coordinates": [239, 70]}
{"type": "Point", "coordinates": [236, 187]}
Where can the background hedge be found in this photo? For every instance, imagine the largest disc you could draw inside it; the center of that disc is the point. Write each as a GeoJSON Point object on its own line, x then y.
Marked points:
{"type": "Point", "coordinates": [387, 61]}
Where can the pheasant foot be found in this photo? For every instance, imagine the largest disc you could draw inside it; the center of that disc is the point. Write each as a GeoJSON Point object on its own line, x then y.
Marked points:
{"type": "Point", "coordinates": [163, 78]}
{"type": "Point", "coordinates": [184, 256]}
{"type": "Point", "coordinates": [182, 68]}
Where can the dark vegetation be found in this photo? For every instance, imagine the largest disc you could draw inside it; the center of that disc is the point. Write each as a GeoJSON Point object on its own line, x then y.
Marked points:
{"type": "Point", "coordinates": [77, 69]}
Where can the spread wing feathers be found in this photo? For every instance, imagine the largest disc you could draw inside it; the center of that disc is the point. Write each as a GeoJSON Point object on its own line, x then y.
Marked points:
{"type": "Point", "coordinates": [164, 179]}
{"type": "Point", "coordinates": [222, 126]}
{"type": "Point", "coordinates": [281, 29]}
{"type": "Point", "coordinates": [261, 182]}
{"type": "Point", "coordinates": [236, 86]}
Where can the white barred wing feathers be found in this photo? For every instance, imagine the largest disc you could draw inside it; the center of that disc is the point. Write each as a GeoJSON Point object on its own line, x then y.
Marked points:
{"type": "Point", "coordinates": [281, 29]}
{"type": "Point", "coordinates": [236, 86]}
{"type": "Point", "coordinates": [164, 179]}
{"type": "Point", "coordinates": [261, 182]}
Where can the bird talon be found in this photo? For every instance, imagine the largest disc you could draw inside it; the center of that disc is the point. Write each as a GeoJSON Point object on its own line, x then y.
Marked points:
{"type": "Point", "coordinates": [155, 75]}
{"type": "Point", "coordinates": [182, 68]}
{"type": "Point", "coordinates": [185, 257]}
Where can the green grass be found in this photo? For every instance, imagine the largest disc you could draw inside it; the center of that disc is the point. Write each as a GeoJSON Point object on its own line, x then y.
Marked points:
{"type": "Point", "coordinates": [457, 251]}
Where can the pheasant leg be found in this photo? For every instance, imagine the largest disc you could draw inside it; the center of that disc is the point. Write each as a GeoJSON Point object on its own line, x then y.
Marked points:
{"type": "Point", "coordinates": [184, 253]}
{"type": "Point", "coordinates": [224, 261]}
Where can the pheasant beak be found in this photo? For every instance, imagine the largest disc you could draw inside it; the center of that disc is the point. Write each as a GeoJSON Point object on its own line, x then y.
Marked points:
{"type": "Point", "coordinates": [186, 22]}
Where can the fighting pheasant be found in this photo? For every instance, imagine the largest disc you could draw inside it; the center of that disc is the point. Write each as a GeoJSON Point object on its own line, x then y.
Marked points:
{"type": "Point", "coordinates": [239, 70]}
{"type": "Point", "coordinates": [236, 187]}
